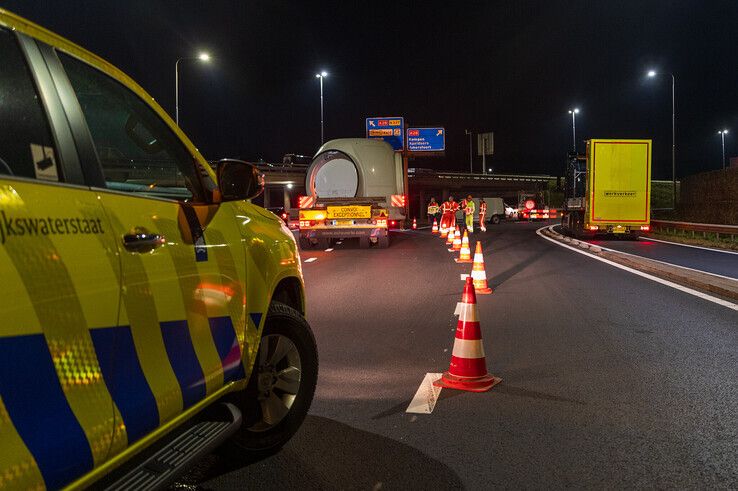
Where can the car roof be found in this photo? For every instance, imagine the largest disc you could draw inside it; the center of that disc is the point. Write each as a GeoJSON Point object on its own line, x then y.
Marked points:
{"type": "Point", "coordinates": [18, 23]}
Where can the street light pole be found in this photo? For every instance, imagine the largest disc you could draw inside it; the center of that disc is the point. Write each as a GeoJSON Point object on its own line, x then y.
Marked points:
{"type": "Point", "coordinates": [321, 76]}
{"type": "Point", "coordinates": [471, 165]}
{"type": "Point", "coordinates": [574, 113]}
{"type": "Point", "coordinates": [722, 134]}
{"type": "Point", "coordinates": [205, 58]}
{"type": "Point", "coordinates": [651, 74]}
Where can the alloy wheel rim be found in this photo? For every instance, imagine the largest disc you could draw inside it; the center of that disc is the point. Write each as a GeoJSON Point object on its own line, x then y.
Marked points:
{"type": "Point", "coordinates": [279, 373]}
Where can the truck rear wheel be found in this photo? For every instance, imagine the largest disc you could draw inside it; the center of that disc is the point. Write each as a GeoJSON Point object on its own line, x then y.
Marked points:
{"type": "Point", "coordinates": [495, 219]}
{"type": "Point", "coordinates": [382, 242]}
{"type": "Point", "coordinates": [305, 244]}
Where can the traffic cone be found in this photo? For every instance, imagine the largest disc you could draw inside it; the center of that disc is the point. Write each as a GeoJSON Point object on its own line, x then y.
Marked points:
{"type": "Point", "coordinates": [468, 368]}
{"type": "Point", "coordinates": [465, 252]}
{"type": "Point", "coordinates": [435, 226]}
{"type": "Point", "coordinates": [478, 274]}
{"type": "Point", "coordinates": [451, 234]}
{"type": "Point", "coordinates": [415, 224]}
{"type": "Point", "coordinates": [456, 246]}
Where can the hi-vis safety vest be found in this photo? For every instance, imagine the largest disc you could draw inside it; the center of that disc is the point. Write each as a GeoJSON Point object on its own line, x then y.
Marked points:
{"type": "Point", "coordinates": [483, 208]}
{"type": "Point", "coordinates": [447, 207]}
{"type": "Point", "coordinates": [469, 207]}
{"type": "Point", "coordinates": [433, 208]}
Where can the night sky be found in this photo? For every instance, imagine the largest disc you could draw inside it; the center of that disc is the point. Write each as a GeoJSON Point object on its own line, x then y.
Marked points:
{"type": "Point", "coordinates": [512, 67]}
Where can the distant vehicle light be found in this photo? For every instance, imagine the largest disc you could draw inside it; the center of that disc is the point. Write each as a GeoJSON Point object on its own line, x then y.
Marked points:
{"type": "Point", "coordinates": [530, 204]}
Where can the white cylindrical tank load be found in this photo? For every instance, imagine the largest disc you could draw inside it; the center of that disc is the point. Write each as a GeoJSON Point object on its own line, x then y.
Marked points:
{"type": "Point", "coordinates": [336, 177]}
{"type": "Point", "coordinates": [355, 167]}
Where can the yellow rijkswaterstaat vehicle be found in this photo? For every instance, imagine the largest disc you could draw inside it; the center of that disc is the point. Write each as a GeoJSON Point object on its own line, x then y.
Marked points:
{"type": "Point", "coordinates": [149, 311]}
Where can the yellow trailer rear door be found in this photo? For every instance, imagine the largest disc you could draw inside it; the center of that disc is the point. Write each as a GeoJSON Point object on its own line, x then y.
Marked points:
{"type": "Point", "coordinates": [620, 178]}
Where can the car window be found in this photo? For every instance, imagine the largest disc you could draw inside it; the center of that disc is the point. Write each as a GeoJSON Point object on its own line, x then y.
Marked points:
{"type": "Point", "coordinates": [26, 144]}
{"type": "Point", "coordinates": [137, 150]}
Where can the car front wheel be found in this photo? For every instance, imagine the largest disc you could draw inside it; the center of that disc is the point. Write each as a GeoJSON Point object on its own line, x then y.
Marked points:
{"type": "Point", "coordinates": [282, 382]}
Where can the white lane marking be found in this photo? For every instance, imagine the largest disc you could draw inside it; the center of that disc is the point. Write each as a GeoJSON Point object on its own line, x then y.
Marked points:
{"type": "Point", "coordinates": [662, 262]}
{"type": "Point", "coordinates": [310, 259]}
{"type": "Point", "coordinates": [676, 286]}
{"type": "Point", "coordinates": [339, 242]}
{"type": "Point", "coordinates": [724, 251]}
{"type": "Point", "coordinates": [426, 396]}
{"type": "Point", "coordinates": [329, 249]}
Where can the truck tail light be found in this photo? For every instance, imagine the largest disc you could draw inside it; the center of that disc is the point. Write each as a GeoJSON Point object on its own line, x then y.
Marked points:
{"type": "Point", "coordinates": [594, 227]}
{"type": "Point", "coordinates": [307, 223]}
{"type": "Point", "coordinates": [645, 228]}
{"type": "Point", "coordinates": [398, 200]}
{"type": "Point", "coordinates": [381, 222]}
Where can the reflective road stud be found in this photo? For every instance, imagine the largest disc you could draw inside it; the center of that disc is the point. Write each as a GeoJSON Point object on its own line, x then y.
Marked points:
{"type": "Point", "coordinates": [478, 274]}
{"type": "Point", "coordinates": [468, 368]}
{"type": "Point", "coordinates": [465, 253]}
{"type": "Point", "coordinates": [435, 226]}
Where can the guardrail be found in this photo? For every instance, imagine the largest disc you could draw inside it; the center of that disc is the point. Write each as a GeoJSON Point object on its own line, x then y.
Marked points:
{"type": "Point", "coordinates": [704, 228]}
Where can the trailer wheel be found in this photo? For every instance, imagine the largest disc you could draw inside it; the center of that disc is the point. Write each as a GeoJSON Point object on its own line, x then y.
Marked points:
{"type": "Point", "coordinates": [495, 219]}
{"type": "Point", "coordinates": [382, 242]}
{"type": "Point", "coordinates": [305, 244]}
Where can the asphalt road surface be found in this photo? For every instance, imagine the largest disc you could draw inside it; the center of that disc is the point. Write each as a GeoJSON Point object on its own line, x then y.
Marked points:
{"type": "Point", "coordinates": [609, 379]}
{"type": "Point", "coordinates": [711, 261]}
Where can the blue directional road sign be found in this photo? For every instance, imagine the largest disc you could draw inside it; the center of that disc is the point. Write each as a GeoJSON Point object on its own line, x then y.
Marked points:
{"type": "Point", "coordinates": [391, 130]}
{"type": "Point", "coordinates": [426, 139]}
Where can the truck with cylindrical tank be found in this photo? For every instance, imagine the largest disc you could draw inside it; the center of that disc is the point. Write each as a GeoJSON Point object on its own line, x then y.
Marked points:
{"type": "Point", "coordinates": [355, 189]}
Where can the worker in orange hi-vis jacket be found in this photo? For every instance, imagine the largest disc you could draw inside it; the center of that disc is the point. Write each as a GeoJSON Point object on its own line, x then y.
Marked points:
{"type": "Point", "coordinates": [448, 210]}
{"type": "Point", "coordinates": [482, 214]}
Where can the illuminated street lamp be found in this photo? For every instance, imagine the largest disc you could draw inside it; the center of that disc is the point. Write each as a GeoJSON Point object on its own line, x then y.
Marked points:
{"type": "Point", "coordinates": [321, 76]}
{"type": "Point", "coordinates": [202, 57]}
{"type": "Point", "coordinates": [653, 74]}
{"type": "Point", "coordinates": [574, 113]}
{"type": "Point", "coordinates": [722, 134]}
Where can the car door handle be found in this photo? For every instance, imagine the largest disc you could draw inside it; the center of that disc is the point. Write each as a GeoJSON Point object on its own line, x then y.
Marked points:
{"type": "Point", "coordinates": [141, 240]}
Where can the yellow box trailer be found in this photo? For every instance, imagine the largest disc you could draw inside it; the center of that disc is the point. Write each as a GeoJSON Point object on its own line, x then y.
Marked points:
{"type": "Point", "coordinates": [608, 190]}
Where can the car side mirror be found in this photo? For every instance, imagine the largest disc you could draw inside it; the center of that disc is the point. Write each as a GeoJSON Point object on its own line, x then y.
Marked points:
{"type": "Point", "coordinates": [239, 180]}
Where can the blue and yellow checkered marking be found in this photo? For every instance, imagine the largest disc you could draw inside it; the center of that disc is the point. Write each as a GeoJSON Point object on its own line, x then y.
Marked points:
{"type": "Point", "coordinates": [126, 381]}
{"type": "Point", "coordinates": [46, 424]}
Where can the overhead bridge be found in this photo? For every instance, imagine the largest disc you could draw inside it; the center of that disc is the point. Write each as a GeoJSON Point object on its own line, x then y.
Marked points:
{"type": "Point", "coordinates": [285, 182]}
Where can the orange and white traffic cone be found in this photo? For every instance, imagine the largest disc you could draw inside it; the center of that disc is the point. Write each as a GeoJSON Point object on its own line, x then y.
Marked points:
{"type": "Point", "coordinates": [435, 226]}
{"type": "Point", "coordinates": [468, 368]}
{"type": "Point", "coordinates": [444, 230]}
{"type": "Point", "coordinates": [415, 224]}
{"type": "Point", "coordinates": [456, 245]}
{"type": "Point", "coordinates": [478, 275]}
{"type": "Point", "coordinates": [465, 252]}
{"type": "Point", "coordinates": [451, 235]}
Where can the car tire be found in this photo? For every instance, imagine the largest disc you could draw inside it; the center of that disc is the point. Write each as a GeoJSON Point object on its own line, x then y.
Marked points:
{"type": "Point", "coordinates": [258, 436]}
{"type": "Point", "coordinates": [495, 219]}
